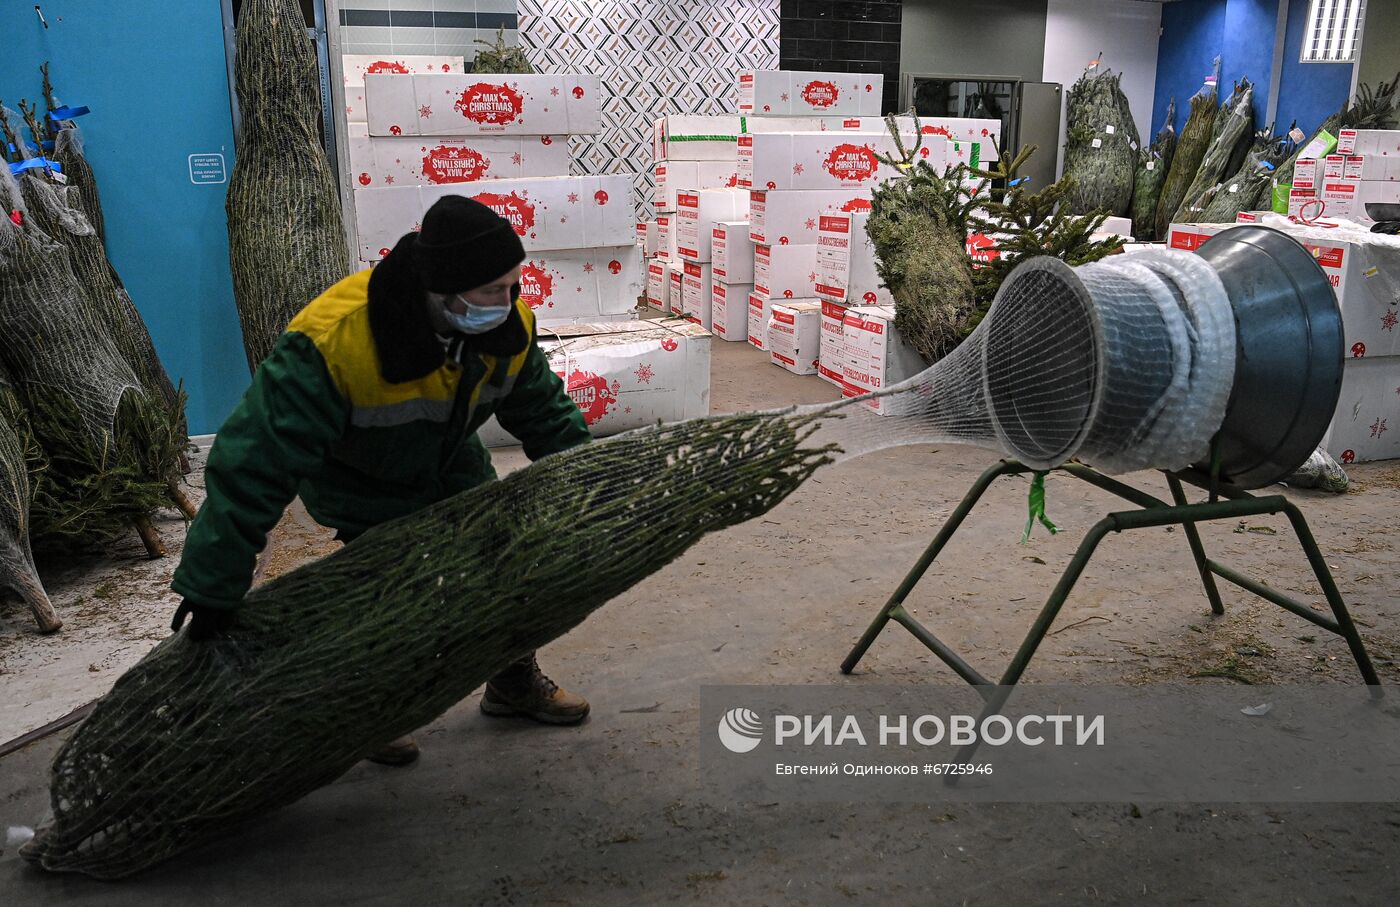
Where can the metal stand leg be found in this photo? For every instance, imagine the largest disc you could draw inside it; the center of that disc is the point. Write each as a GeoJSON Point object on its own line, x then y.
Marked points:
{"type": "Point", "coordinates": [1198, 552]}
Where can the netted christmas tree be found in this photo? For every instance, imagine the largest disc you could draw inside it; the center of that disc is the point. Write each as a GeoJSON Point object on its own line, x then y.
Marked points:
{"type": "Point", "coordinates": [1153, 163]}
{"type": "Point", "coordinates": [17, 451]}
{"type": "Point", "coordinates": [287, 239]}
{"type": "Point", "coordinates": [1249, 188]}
{"type": "Point", "coordinates": [1190, 150]}
{"type": "Point", "coordinates": [1234, 129]}
{"type": "Point", "coordinates": [67, 141]}
{"type": "Point", "coordinates": [1101, 144]}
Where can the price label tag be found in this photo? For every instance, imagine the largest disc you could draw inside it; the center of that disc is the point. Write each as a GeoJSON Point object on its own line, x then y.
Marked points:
{"type": "Point", "coordinates": [1296, 134]}
{"type": "Point", "coordinates": [1096, 143]}
{"type": "Point", "coordinates": [1110, 129]}
{"type": "Point", "coordinates": [1234, 187]}
{"type": "Point", "coordinates": [1151, 165]}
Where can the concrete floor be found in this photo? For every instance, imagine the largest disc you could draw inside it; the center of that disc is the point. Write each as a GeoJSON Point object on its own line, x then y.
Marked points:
{"type": "Point", "coordinates": [614, 812]}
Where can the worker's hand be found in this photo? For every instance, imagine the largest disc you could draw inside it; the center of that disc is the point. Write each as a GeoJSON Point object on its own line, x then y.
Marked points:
{"type": "Point", "coordinates": [205, 623]}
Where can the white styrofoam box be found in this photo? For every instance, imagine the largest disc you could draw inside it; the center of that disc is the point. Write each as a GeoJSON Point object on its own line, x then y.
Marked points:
{"type": "Point", "coordinates": [984, 133]}
{"type": "Point", "coordinates": [672, 176]}
{"type": "Point", "coordinates": [1366, 424]}
{"type": "Point", "coordinates": [356, 66]}
{"type": "Point", "coordinates": [731, 252]}
{"type": "Point", "coordinates": [876, 358]}
{"type": "Point", "coordinates": [647, 237]}
{"type": "Point", "coordinates": [561, 212]}
{"type": "Point", "coordinates": [787, 92]}
{"type": "Point", "coordinates": [1363, 268]}
{"type": "Point", "coordinates": [689, 137]}
{"type": "Point", "coordinates": [582, 284]}
{"type": "Point", "coordinates": [1349, 197]}
{"type": "Point", "coordinates": [760, 310]}
{"type": "Point", "coordinates": [477, 103]}
{"type": "Point", "coordinates": [1116, 226]}
{"type": "Point", "coordinates": [791, 217]}
{"type": "Point", "coordinates": [785, 272]}
{"type": "Point", "coordinates": [825, 160]}
{"type": "Point", "coordinates": [628, 374]}
{"type": "Point", "coordinates": [729, 309]}
{"type": "Point", "coordinates": [658, 284]}
{"type": "Point", "coordinates": [359, 151]}
{"type": "Point", "coordinates": [697, 212]}
{"type": "Point", "coordinates": [666, 237]}
{"type": "Point", "coordinates": [355, 106]}
{"type": "Point", "coordinates": [417, 160]}
{"type": "Point", "coordinates": [695, 294]}
{"type": "Point", "coordinates": [831, 361]}
{"type": "Point", "coordinates": [1384, 142]}
{"type": "Point", "coordinates": [675, 296]}
{"type": "Point", "coordinates": [846, 271]}
{"type": "Point", "coordinates": [1372, 167]}
{"type": "Point", "coordinates": [795, 336]}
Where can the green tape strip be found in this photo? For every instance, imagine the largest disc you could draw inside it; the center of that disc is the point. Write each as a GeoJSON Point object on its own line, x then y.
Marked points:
{"type": "Point", "coordinates": [1037, 509]}
{"type": "Point", "coordinates": [703, 138]}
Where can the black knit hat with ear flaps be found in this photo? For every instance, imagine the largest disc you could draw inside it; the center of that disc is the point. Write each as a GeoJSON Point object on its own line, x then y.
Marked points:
{"type": "Point", "coordinates": [464, 245]}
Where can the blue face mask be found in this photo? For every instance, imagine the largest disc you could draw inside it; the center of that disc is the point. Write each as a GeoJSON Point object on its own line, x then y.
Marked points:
{"type": "Point", "coordinates": [478, 319]}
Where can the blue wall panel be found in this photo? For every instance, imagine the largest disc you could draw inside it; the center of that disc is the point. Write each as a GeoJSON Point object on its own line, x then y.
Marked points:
{"type": "Point", "coordinates": [1250, 26]}
{"type": "Point", "coordinates": [1308, 92]}
{"type": "Point", "coordinates": [154, 74]}
{"type": "Point", "coordinates": [1193, 35]}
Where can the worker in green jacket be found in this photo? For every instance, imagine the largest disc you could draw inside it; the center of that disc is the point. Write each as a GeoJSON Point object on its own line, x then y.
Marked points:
{"type": "Point", "coordinates": [368, 406]}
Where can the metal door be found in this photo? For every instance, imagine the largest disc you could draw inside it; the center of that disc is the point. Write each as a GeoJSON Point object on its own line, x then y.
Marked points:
{"type": "Point", "coordinates": [1038, 123]}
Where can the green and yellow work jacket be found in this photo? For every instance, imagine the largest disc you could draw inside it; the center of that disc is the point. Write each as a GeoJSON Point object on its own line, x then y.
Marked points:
{"type": "Point", "coordinates": [321, 421]}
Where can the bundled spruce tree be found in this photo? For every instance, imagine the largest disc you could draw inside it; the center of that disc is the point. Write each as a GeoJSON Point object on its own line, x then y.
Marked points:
{"type": "Point", "coordinates": [1371, 108]}
{"type": "Point", "coordinates": [17, 572]}
{"type": "Point", "coordinates": [500, 57]}
{"type": "Point", "coordinates": [1217, 157]}
{"type": "Point", "coordinates": [1190, 150]}
{"type": "Point", "coordinates": [1101, 144]}
{"type": "Point", "coordinates": [1153, 163]}
{"type": "Point", "coordinates": [286, 232]}
{"type": "Point", "coordinates": [1222, 118]}
{"type": "Point", "coordinates": [67, 141]}
{"type": "Point", "coordinates": [1249, 188]}
{"type": "Point", "coordinates": [110, 449]}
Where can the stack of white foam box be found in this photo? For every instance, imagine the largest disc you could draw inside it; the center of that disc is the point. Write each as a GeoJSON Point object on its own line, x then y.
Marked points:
{"type": "Point", "coordinates": [731, 280]}
{"type": "Point", "coordinates": [847, 276]}
{"type": "Point", "coordinates": [698, 212]}
{"type": "Point", "coordinates": [876, 357]}
{"type": "Point", "coordinates": [691, 153]}
{"type": "Point", "coordinates": [503, 141]}
{"type": "Point", "coordinates": [1365, 170]}
{"type": "Point", "coordinates": [1364, 270]}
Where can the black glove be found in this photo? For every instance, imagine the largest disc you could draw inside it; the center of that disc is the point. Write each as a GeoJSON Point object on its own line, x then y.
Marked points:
{"type": "Point", "coordinates": [205, 623]}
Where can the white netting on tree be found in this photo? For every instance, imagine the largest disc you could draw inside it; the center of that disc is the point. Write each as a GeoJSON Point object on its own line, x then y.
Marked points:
{"type": "Point", "coordinates": [1122, 362]}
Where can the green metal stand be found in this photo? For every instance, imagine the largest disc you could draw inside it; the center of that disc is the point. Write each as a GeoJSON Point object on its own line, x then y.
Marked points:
{"type": "Point", "coordinates": [1238, 503]}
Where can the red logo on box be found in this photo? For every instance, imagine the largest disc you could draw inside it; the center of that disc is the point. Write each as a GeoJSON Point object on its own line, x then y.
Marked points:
{"type": "Point", "coordinates": [392, 66]}
{"type": "Point", "coordinates": [854, 163]}
{"type": "Point", "coordinates": [536, 286]}
{"type": "Point", "coordinates": [821, 94]}
{"type": "Point", "coordinates": [513, 208]}
{"type": "Point", "coordinates": [592, 394]}
{"type": "Point", "coordinates": [830, 224]}
{"type": "Point", "coordinates": [449, 164]}
{"type": "Point", "coordinates": [1328, 256]}
{"type": "Point", "coordinates": [857, 204]}
{"type": "Point", "coordinates": [1188, 241]}
{"type": "Point", "coordinates": [495, 105]}
{"type": "Point", "coordinates": [982, 249]}
{"type": "Point", "coordinates": [670, 345]}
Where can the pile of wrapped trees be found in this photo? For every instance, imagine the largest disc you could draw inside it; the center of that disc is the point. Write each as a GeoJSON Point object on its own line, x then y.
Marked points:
{"type": "Point", "coordinates": [92, 431]}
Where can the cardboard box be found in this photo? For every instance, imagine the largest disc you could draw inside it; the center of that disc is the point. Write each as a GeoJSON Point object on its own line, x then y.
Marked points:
{"type": "Point", "coordinates": [563, 212]}
{"type": "Point", "coordinates": [480, 104]}
{"type": "Point", "coordinates": [1363, 268]}
{"type": "Point", "coordinates": [784, 272]}
{"type": "Point", "coordinates": [627, 374]}
{"type": "Point", "coordinates": [416, 160]}
{"type": "Point", "coordinates": [1305, 174]}
{"type": "Point", "coordinates": [354, 67]}
{"type": "Point", "coordinates": [731, 252]}
{"type": "Point", "coordinates": [984, 133]}
{"type": "Point", "coordinates": [675, 298]}
{"type": "Point", "coordinates": [698, 210]}
{"type": "Point", "coordinates": [824, 160]}
{"type": "Point", "coordinates": [688, 137]}
{"type": "Point", "coordinates": [1366, 425]}
{"type": "Point", "coordinates": [658, 284]}
{"type": "Point", "coordinates": [729, 309]}
{"type": "Point", "coordinates": [1349, 198]}
{"type": "Point", "coordinates": [1383, 142]}
{"type": "Point", "coordinates": [832, 358]}
{"type": "Point", "coordinates": [789, 92]}
{"type": "Point", "coordinates": [582, 284]}
{"type": "Point", "coordinates": [695, 294]}
{"type": "Point", "coordinates": [846, 263]}
{"type": "Point", "coordinates": [760, 310]}
{"type": "Point", "coordinates": [794, 336]}
{"type": "Point", "coordinates": [355, 106]}
{"type": "Point", "coordinates": [790, 217]}
{"type": "Point", "coordinates": [672, 176]}
{"type": "Point", "coordinates": [666, 238]}
{"type": "Point", "coordinates": [1334, 167]}
{"type": "Point", "coordinates": [647, 237]}
{"type": "Point", "coordinates": [877, 358]}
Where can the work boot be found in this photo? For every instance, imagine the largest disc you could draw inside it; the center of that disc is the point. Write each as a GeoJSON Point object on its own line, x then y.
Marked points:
{"type": "Point", "coordinates": [396, 752]}
{"type": "Point", "coordinates": [523, 689]}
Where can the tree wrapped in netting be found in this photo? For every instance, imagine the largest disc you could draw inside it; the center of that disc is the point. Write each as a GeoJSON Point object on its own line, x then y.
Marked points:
{"type": "Point", "coordinates": [111, 450]}
{"type": "Point", "coordinates": [1222, 119]}
{"type": "Point", "coordinates": [500, 56]}
{"type": "Point", "coordinates": [1195, 141]}
{"type": "Point", "coordinates": [1238, 124]}
{"type": "Point", "coordinates": [57, 212]}
{"type": "Point", "coordinates": [1101, 144]}
{"type": "Point", "coordinates": [1248, 189]}
{"type": "Point", "coordinates": [1371, 108]}
{"type": "Point", "coordinates": [1153, 162]}
{"type": "Point", "coordinates": [286, 233]}
{"type": "Point", "coordinates": [1125, 364]}
{"type": "Point", "coordinates": [67, 141]}
{"type": "Point", "coordinates": [17, 572]}
{"type": "Point", "coordinates": [920, 225]}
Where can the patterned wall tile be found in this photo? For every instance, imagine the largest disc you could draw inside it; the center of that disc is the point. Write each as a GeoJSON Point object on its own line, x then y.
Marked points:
{"type": "Point", "coordinates": [653, 57]}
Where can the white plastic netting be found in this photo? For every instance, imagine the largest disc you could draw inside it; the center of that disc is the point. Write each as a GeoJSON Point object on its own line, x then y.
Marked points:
{"type": "Point", "coordinates": [1126, 363]}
